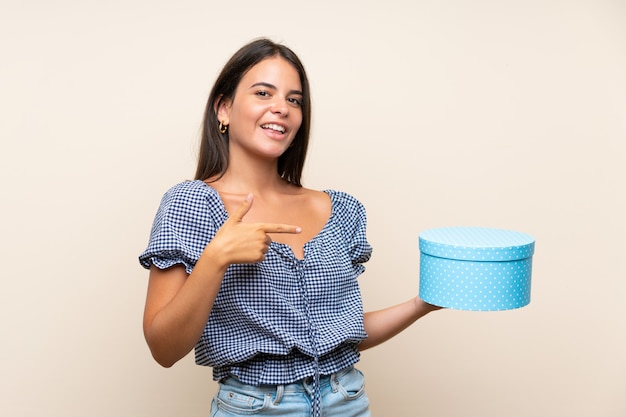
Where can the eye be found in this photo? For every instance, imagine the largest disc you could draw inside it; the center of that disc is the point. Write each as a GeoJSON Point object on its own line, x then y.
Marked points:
{"type": "Point", "coordinates": [295, 101]}
{"type": "Point", "coordinates": [262, 93]}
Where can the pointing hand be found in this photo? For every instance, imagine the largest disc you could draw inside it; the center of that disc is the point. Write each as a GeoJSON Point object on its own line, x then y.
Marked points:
{"type": "Point", "coordinates": [237, 242]}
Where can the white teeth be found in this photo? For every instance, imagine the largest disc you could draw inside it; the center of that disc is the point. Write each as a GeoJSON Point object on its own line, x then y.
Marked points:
{"type": "Point", "coordinates": [275, 127]}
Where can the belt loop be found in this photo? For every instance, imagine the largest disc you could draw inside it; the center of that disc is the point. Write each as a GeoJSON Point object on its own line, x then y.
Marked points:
{"type": "Point", "coordinates": [280, 390]}
{"type": "Point", "coordinates": [333, 382]}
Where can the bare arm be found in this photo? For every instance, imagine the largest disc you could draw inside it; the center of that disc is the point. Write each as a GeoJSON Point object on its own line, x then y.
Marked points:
{"type": "Point", "coordinates": [178, 305]}
{"type": "Point", "coordinates": [382, 325]}
{"type": "Point", "coordinates": [177, 309]}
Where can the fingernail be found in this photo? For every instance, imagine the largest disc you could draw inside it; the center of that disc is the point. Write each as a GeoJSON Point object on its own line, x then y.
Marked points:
{"type": "Point", "coordinates": [249, 197]}
{"type": "Point", "coordinates": [298, 230]}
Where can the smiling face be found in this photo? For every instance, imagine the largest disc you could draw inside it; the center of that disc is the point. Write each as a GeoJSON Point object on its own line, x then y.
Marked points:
{"type": "Point", "coordinates": [266, 110]}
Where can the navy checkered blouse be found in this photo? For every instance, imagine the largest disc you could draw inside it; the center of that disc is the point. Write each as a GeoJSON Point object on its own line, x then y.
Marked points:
{"type": "Point", "coordinates": [280, 320]}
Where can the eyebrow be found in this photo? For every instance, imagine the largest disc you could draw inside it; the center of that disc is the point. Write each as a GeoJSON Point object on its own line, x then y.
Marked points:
{"type": "Point", "coordinates": [272, 86]}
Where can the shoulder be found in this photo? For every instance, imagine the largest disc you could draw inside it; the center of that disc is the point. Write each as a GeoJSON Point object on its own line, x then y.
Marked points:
{"type": "Point", "coordinates": [350, 217]}
{"type": "Point", "coordinates": [314, 197]}
{"type": "Point", "coordinates": [190, 188]}
{"type": "Point", "coordinates": [346, 201]}
{"type": "Point", "coordinates": [347, 211]}
{"type": "Point", "coordinates": [193, 197]}
{"type": "Point", "coordinates": [189, 192]}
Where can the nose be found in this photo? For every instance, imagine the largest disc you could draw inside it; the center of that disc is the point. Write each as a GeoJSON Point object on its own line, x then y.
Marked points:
{"type": "Point", "coordinates": [280, 107]}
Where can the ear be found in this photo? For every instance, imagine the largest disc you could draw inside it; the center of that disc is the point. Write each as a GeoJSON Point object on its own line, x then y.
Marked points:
{"type": "Point", "coordinates": [222, 109]}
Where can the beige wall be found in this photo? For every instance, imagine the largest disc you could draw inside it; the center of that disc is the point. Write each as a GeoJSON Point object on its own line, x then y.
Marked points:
{"type": "Point", "coordinates": [506, 114]}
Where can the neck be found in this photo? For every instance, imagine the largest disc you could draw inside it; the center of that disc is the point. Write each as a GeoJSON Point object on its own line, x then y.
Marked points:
{"type": "Point", "coordinates": [257, 177]}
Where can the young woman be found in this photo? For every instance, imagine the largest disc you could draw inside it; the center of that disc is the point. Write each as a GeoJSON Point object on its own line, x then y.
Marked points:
{"type": "Point", "coordinates": [255, 271]}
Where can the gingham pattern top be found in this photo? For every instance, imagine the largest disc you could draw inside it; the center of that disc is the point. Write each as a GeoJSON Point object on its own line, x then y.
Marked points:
{"type": "Point", "coordinates": [280, 320]}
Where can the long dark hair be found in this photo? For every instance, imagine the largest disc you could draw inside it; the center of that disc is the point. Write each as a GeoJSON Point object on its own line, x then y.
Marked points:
{"type": "Point", "coordinates": [213, 157]}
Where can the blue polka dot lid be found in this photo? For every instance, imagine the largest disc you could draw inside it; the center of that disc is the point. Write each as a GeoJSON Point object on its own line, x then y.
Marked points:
{"type": "Point", "coordinates": [475, 268]}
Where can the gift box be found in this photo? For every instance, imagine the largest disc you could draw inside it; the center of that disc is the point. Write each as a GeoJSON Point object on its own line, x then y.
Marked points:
{"type": "Point", "coordinates": [475, 268]}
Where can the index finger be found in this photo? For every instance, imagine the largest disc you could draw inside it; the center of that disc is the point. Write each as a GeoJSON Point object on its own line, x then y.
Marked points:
{"type": "Point", "coordinates": [280, 228]}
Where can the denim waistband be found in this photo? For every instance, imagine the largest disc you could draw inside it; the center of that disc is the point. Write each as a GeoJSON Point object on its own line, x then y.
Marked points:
{"type": "Point", "coordinates": [302, 385]}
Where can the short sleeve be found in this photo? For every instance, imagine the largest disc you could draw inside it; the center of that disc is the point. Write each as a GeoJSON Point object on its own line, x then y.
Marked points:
{"type": "Point", "coordinates": [361, 250]}
{"type": "Point", "coordinates": [353, 218]}
{"type": "Point", "coordinates": [186, 221]}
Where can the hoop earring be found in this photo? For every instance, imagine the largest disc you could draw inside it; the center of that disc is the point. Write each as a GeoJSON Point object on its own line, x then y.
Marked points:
{"type": "Point", "coordinates": [223, 128]}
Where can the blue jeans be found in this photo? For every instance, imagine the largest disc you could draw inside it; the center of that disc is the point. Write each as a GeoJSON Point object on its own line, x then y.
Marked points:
{"type": "Point", "coordinates": [342, 394]}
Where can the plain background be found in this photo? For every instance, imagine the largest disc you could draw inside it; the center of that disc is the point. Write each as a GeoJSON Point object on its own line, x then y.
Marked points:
{"type": "Point", "coordinates": [508, 114]}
